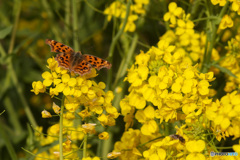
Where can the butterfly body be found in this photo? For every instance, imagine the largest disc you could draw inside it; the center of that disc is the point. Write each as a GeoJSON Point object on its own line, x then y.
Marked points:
{"type": "Point", "coordinates": [76, 61]}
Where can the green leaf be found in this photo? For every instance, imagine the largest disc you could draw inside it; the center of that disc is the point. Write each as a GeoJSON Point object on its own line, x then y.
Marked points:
{"type": "Point", "coordinates": [5, 32]}
{"type": "Point", "coordinates": [225, 70]}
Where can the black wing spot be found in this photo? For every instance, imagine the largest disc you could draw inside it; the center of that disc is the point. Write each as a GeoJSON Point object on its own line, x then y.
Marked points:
{"type": "Point", "coordinates": [55, 43]}
{"type": "Point", "coordinates": [57, 50]}
{"type": "Point", "coordinates": [90, 57]}
{"type": "Point", "coordinates": [102, 62]}
{"type": "Point", "coordinates": [62, 45]}
{"type": "Point", "coordinates": [85, 68]}
{"type": "Point", "coordinates": [63, 50]}
{"type": "Point", "coordinates": [62, 58]}
{"type": "Point", "coordinates": [66, 56]}
{"type": "Point", "coordinates": [95, 58]}
{"type": "Point", "coordinates": [90, 61]}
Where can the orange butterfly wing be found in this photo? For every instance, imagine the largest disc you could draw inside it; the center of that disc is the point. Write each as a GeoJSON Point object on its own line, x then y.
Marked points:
{"type": "Point", "coordinates": [97, 62]}
{"type": "Point", "coordinates": [64, 60]}
{"type": "Point", "coordinates": [58, 47]}
{"type": "Point", "coordinates": [81, 67]}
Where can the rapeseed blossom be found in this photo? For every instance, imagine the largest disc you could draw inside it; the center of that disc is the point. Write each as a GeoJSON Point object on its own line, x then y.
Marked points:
{"type": "Point", "coordinates": [166, 90]}
{"type": "Point", "coordinates": [118, 9]}
{"type": "Point", "coordinates": [173, 12]}
{"type": "Point", "coordinates": [78, 92]}
{"type": "Point", "coordinates": [166, 86]}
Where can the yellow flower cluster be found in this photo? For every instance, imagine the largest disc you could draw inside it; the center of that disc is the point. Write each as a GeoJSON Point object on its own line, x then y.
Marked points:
{"type": "Point", "coordinates": [78, 92]}
{"type": "Point", "coordinates": [69, 148]}
{"type": "Point", "coordinates": [231, 62]}
{"type": "Point", "coordinates": [118, 9]}
{"type": "Point", "coordinates": [189, 44]}
{"type": "Point", "coordinates": [166, 86]}
{"type": "Point", "coordinates": [225, 115]}
{"type": "Point", "coordinates": [235, 4]}
{"type": "Point", "coordinates": [127, 147]}
{"type": "Point", "coordinates": [161, 79]}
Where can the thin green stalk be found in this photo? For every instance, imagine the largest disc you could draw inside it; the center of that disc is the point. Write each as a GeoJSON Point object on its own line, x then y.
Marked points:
{"type": "Point", "coordinates": [106, 146]}
{"type": "Point", "coordinates": [205, 18]}
{"type": "Point", "coordinates": [21, 96]}
{"type": "Point", "coordinates": [211, 38]}
{"type": "Point", "coordinates": [139, 42]}
{"type": "Point", "coordinates": [75, 25]}
{"type": "Point", "coordinates": [61, 130]}
{"type": "Point", "coordinates": [17, 9]}
{"type": "Point", "coordinates": [10, 66]}
{"type": "Point", "coordinates": [7, 141]}
{"type": "Point", "coordinates": [13, 117]}
{"type": "Point", "coordinates": [125, 62]}
{"type": "Point", "coordinates": [92, 7]}
{"type": "Point", "coordinates": [54, 27]}
{"type": "Point", "coordinates": [115, 39]}
{"type": "Point", "coordinates": [85, 146]}
{"type": "Point", "coordinates": [67, 18]}
{"type": "Point", "coordinates": [114, 42]}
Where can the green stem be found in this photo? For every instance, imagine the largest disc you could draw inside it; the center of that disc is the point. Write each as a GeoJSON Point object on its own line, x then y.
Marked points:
{"type": "Point", "coordinates": [115, 39]}
{"type": "Point", "coordinates": [17, 8]}
{"type": "Point", "coordinates": [211, 38]}
{"type": "Point", "coordinates": [11, 69]}
{"type": "Point", "coordinates": [52, 20]}
{"type": "Point", "coordinates": [61, 130]}
{"type": "Point", "coordinates": [67, 18]}
{"type": "Point", "coordinates": [13, 117]}
{"type": "Point", "coordinates": [7, 141]}
{"type": "Point", "coordinates": [75, 25]}
{"type": "Point", "coordinates": [92, 7]}
{"type": "Point", "coordinates": [21, 96]}
{"type": "Point", "coordinates": [107, 144]}
{"type": "Point", "coordinates": [85, 146]}
{"type": "Point", "coordinates": [114, 42]}
{"type": "Point", "coordinates": [125, 62]}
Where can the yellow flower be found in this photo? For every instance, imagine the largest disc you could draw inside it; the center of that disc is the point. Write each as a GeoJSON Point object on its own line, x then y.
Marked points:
{"type": "Point", "coordinates": [38, 87]}
{"type": "Point", "coordinates": [235, 6]}
{"type": "Point", "coordinates": [137, 100]}
{"type": "Point", "coordinates": [46, 114]}
{"type": "Point", "coordinates": [174, 12]}
{"type": "Point", "coordinates": [195, 148]}
{"type": "Point", "coordinates": [163, 48]}
{"type": "Point", "coordinates": [203, 87]}
{"type": "Point", "coordinates": [113, 155]}
{"type": "Point", "coordinates": [130, 26]}
{"type": "Point", "coordinates": [142, 58]}
{"type": "Point", "coordinates": [115, 9]}
{"type": "Point", "coordinates": [220, 2]}
{"type": "Point", "coordinates": [125, 107]}
{"type": "Point", "coordinates": [146, 117]}
{"type": "Point", "coordinates": [56, 108]}
{"type": "Point", "coordinates": [137, 76]}
{"type": "Point", "coordinates": [103, 135]}
{"type": "Point", "coordinates": [236, 148]}
{"type": "Point", "coordinates": [226, 22]}
{"type": "Point", "coordinates": [184, 27]}
{"type": "Point", "coordinates": [89, 128]}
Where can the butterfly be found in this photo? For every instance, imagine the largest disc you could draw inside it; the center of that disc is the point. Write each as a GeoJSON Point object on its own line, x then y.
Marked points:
{"type": "Point", "coordinates": [76, 61]}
